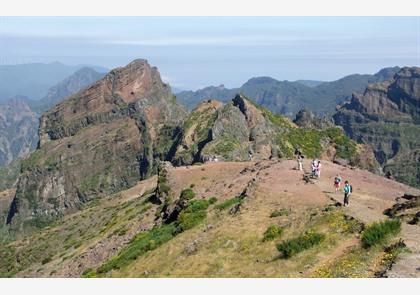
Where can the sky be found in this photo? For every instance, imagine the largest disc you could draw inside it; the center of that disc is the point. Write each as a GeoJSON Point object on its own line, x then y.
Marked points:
{"type": "Point", "coordinates": [194, 52]}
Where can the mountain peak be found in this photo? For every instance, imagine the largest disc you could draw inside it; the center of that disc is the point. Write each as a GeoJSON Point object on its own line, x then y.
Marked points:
{"type": "Point", "coordinates": [134, 80]}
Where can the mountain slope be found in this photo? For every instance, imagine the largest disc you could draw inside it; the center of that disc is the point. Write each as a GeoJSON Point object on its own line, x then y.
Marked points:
{"type": "Point", "coordinates": [97, 141]}
{"type": "Point", "coordinates": [225, 242]}
{"type": "Point", "coordinates": [19, 116]}
{"type": "Point", "coordinates": [387, 117]}
{"type": "Point", "coordinates": [285, 97]}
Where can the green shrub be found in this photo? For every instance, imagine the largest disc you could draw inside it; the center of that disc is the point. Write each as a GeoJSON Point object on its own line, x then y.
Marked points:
{"type": "Point", "coordinates": [189, 220]}
{"type": "Point", "coordinates": [162, 179]}
{"type": "Point", "coordinates": [192, 215]}
{"type": "Point", "coordinates": [212, 200]}
{"type": "Point", "coordinates": [378, 232]}
{"type": "Point", "coordinates": [88, 273]}
{"type": "Point", "coordinates": [187, 194]}
{"type": "Point", "coordinates": [272, 232]}
{"type": "Point", "coordinates": [280, 212]}
{"type": "Point", "coordinates": [227, 203]}
{"type": "Point", "coordinates": [140, 244]}
{"type": "Point", "coordinates": [164, 188]}
{"type": "Point", "coordinates": [291, 247]}
{"type": "Point", "coordinates": [197, 205]}
{"type": "Point", "coordinates": [309, 140]}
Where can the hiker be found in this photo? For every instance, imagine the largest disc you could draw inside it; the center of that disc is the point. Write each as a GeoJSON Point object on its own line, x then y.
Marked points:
{"type": "Point", "coordinates": [313, 168]}
{"type": "Point", "coordinates": [250, 155]}
{"type": "Point", "coordinates": [300, 162]}
{"type": "Point", "coordinates": [347, 191]}
{"type": "Point", "coordinates": [318, 169]}
{"type": "Point", "coordinates": [337, 182]}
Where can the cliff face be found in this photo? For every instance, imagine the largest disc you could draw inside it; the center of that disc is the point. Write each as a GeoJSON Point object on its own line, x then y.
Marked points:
{"type": "Point", "coordinates": [387, 117]}
{"type": "Point", "coordinates": [98, 141]}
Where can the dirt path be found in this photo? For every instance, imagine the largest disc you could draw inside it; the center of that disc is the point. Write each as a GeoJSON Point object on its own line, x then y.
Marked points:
{"type": "Point", "coordinates": [371, 195]}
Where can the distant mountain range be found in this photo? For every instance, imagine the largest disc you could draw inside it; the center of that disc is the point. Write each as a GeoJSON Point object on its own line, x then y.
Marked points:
{"type": "Point", "coordinates": [287, 98]}
{"type": "Point", "coordinates": [34, 79]}
{"type": "Point", "coordinates": [119, 185]}
{"type": "Point", "coordinates": [19, 116]}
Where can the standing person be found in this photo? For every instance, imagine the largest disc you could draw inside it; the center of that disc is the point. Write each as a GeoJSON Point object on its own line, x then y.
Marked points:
{"type": "Point", "coordinates": [337, 182]}
{"type": "Point", "coordinates": [347, 191]}
{"type": "Point", "coordinates": [300, 162]}
{"type": "Point", "coordinates": [313, 168]}
{"type": "Point", "coordinates": [318, 169]}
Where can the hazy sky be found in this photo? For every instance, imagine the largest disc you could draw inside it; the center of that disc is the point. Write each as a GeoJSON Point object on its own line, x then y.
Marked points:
{"type": "Point", "coordinates": [192, 52]}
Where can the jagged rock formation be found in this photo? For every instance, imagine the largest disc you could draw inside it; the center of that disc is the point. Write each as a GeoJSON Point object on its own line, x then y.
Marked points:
{"type": "Point", "coordinates": [387, 117]}
{"type": "Point", "coordinates": [286, 97]}
{"type": "Point", "coordinates": [243, 131]}
{"type": "Point", "coordinates": [98, 141]}
{"type": "Point", "coordinates": [236, 131]}
{"type": "Point", "coordinates": [306, 118]}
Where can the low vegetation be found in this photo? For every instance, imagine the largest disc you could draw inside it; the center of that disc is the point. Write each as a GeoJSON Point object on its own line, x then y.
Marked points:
{"type": "Point", "coordinates": [272, 232]}
{"type": "Point", "coordinates": [192, 215]}
{"type": "Point", "coordinates": [378, 232]}
{"type": "Point", "coordinates": [187, 194]}
{"type": "Point", "coordinates": [280, 212]}
{"type": "Point", "coordinates": [291, 247]}
{"type": "Point", "coordinates": [140, 244]}
{"type": "Point", "coordinates": [228, 203]}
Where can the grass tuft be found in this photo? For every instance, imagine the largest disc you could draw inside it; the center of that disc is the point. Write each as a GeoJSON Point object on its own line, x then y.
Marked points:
{"type": "Point", "coordinates": [272, 232]}
{"type": "Point", "coordinates": [227, 203]}
{"type": "Point", "coordinates": [291, 247]}
{"type": "Point", "coordinates": [378, 232]}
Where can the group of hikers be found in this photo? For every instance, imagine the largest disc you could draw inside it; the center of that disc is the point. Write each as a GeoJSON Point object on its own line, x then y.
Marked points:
{"type": "Point", "coordinates": [316, 172]}
{"type": "Point", "coordinates": [316, 168]}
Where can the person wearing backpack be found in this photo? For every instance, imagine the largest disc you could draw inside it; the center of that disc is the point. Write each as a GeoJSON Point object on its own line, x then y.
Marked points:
{"type": "Point", "coordinates": [337, 182]}
{"type": "Point", "coordinates": [348, 189]}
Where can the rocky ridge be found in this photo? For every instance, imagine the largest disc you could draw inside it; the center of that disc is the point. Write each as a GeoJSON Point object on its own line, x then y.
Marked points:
{"type": "Point", "coordinates": [98, 141]}
{"type": "Point", "coordinates": [386, 117]}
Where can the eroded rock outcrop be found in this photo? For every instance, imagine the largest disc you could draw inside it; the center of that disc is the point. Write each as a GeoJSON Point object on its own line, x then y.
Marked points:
{"type": "Point", "coordinates": [236, 131]}
{"type": "Point", "coordinates": [98, 141]}
{"type": "Point", "coordinates": [387, 117]}
{"type": "Point", "coordinates": [241, 131]}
